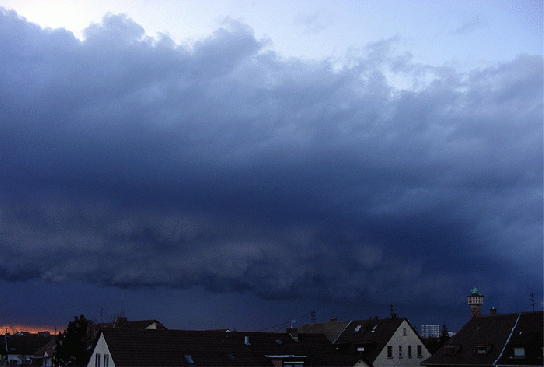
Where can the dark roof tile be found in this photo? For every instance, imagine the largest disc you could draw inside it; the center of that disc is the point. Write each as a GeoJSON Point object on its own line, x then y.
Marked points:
{"type": "Point", "coordinates": [486, 340]}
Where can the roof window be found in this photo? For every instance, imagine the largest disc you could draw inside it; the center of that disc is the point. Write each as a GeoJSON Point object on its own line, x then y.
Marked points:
{"type": "Point", "coordinates": [482, 349]}
{"type": "Point", "coordinates": [452, 349]}
{"type": "Point", "coordinates": [519, 352]}
{"type": "Point", "coordinates": [357, 328]}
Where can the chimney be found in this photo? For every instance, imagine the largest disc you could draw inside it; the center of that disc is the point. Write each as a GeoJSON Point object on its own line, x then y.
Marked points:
{"type": "Point", "coordinates": [334, 319]}
{"type": "Point", "coordinates": [120, 321]}
{"type": "Point", "coordinates": [293, 331]}
{"type": "Point", "coordinates": [493, 311]}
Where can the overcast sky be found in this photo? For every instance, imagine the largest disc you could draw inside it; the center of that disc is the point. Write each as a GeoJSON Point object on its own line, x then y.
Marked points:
{"type": "Point", "coordinates": [239, 164]}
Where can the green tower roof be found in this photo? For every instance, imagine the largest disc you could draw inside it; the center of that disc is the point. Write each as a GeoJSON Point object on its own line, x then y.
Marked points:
{"type": "Point", "coordinates": [475, 292]}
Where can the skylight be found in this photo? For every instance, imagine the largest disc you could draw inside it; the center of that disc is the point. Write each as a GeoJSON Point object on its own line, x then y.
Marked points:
{"type": "Point", "coordinates": [189, 359]}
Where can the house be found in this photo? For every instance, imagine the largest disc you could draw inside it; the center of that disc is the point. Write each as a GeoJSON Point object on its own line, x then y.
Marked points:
{"type": "Point", "coordinates": [331, 329]}
{"type": "Point", "coordinates": [24, 348]}
{"type": "Point", "coordinates": [376, 342]}
{"type": "Point", "coordinates": [118, 347]}
{"type": "Point", "coordinates": [122, 322]}
{"type": "Point", "coordinates": [494, 340]}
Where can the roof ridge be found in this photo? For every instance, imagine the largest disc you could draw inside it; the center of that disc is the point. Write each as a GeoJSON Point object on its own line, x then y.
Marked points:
{"type": "Point", "coordinates": [507, 340]}
{"type": "Point", "coordinates": [342, 332]}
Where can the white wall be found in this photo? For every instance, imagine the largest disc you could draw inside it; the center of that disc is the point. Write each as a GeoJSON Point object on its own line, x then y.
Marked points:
{"type": "Point", "coordinates": [399, 339]}
{"type": "Point", "coordinates": [102, 349]}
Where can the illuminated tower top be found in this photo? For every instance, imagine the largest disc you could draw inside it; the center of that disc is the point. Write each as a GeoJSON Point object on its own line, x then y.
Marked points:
{"type": "Point", "coordinates": [475, 301]}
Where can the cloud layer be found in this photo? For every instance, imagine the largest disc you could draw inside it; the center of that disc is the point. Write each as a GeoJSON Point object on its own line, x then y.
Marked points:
{"type": "Point", "coordinates": [137, 162]}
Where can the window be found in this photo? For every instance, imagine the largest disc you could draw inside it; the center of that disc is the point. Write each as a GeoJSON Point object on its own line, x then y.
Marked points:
{"type": "Point", "coordinates": [452, 349]}
{"type": "Point", "coordinates": [389, 351]}
{"type": "Point", "coordinates": [419, 354]}
{"type": "Point", "coordinates": [106, 360]}
{"type": "Point", "coordinates": [357, 328]}
{"type": "Point", "coordinates": [97, 360]}
{"type": "Point", "coordinates": [519, 352]}
{"type": "Point", "coordinates": [482, 349]}
{"type": "Point", "coordinates": [404, 331]}
{"type": "Point", "coordinates": [293, 364]}
{"type": "Point", "coordinates": [189, 359]}
{"type": "Point", "coordinates": [409, 352]}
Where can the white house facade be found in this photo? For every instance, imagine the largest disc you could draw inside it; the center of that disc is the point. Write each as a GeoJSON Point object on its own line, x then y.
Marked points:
{"type": "Point", "coordinates": [404, 348]}
{"type": "Point", "coordinates": [101, 356]}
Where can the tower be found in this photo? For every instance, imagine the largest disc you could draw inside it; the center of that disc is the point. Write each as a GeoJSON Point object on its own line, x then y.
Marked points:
{"type": "Point", "coordinates": [475, 301]}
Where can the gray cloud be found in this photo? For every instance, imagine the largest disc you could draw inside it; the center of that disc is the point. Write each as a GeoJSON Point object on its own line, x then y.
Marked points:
{"type": "Point", "coordinates": [136, 162]}
{"type": "Point", "coordinates": [471, 24]}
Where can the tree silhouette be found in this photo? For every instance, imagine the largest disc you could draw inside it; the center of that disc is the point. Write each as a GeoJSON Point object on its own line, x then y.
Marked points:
{"type": "Point", "coordinates": [72, 344]}
{"type": "Point", "coordinates": [444, 336]}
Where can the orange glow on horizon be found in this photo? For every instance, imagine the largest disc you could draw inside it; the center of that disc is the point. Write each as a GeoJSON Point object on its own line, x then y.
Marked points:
{"type": "Point", "coordinates": [33, 329]}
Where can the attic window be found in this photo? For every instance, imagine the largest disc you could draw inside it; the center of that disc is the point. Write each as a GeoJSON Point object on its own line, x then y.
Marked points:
{"type": "Point", "coordinates": [452, 349]}
{"type": "Point", "coordinates": [482, 349]}
{"type": "Point", "coordinates": [519, 352]}
{"type": "Point", "coordinates": [357, 328]}
{"type": "Point", "coordinates": [189, 359]}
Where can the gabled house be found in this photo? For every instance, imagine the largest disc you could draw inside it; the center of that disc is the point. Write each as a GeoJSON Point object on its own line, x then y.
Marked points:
{"type": "Point", "coordinates": [495, 340]}
{"type": "Point", "coordinates": [123, 322]}
{"type": "Point", "coordinates": [164, 348]}
{"type": "Point", "coordinates": [24, 348]}
{"type": "Point", "coordinates": [377, 342]}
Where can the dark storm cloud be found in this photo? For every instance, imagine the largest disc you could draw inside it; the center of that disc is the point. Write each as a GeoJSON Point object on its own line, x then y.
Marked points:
{"type": "Point", "coordinates": [133, 161]}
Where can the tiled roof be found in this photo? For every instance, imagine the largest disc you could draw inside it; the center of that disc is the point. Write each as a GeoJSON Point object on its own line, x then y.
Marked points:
{"type": "Point", "coordinates": [122, 322]}
{"type": "Point", "coordinates": [331, 329]}
{"type": "Point", "coordinates": [374, 334]}
{"type": "Point", "coordinates": [24, 343]}
{"type": "Point", "coordinates": [489, 340]}
{"type": "Point", "coordinates": [528, 334]}
{"type": "Point", "coordinates": [132, 348]}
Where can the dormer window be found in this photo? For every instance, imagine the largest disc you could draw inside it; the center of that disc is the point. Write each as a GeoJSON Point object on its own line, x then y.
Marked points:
{"type": "Point", "coordinates": [452, 349]}
{"type": "Point", "coordinates": [482, 349]}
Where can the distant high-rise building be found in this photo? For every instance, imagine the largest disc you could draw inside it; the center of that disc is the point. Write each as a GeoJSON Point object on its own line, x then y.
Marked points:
{"type": "Point", "coordinates": [430, 331]}
{"type": "Point", "coordinates": [475, 301]}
